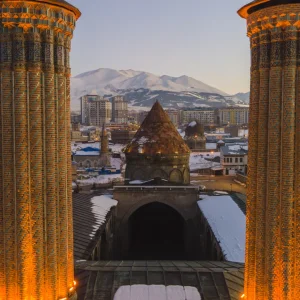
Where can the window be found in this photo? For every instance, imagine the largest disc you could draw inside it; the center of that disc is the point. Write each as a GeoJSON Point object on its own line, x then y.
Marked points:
{"type": "Point", "coordinates": [236, 160]}
{"type": "Point", "coordinates": [230, 159]}
{"type": "Point", "coordinates": [241, 159]}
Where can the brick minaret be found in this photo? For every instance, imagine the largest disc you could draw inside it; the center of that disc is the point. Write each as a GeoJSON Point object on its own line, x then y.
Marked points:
{"type": "Point", "coordinates": [36, 230]}
{"type": "Point", "coordinates": [105, 156]}
{"type": "Point", "coordinates": [273, 200]}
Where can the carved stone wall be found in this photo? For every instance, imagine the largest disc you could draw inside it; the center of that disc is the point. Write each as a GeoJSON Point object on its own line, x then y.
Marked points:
{"type": "Point", "coordinates": [36, 230]}
{"type": "Point", "coordinates": [174, 168]}
{"type": "Point", "coordinates": [273, 200]}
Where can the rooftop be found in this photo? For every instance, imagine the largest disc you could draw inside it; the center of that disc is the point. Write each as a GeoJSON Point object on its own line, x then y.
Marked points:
{"type": "Point", "coordinates": [89, 215]}
{"type": "Point", "coordinates": [213, 280]}
{"type": "Point", "coordinates": [228, 223]}
{"type": "Point", "coordinates": [234, 150]}
{"type": "Point", "coordinates": [157, 135]}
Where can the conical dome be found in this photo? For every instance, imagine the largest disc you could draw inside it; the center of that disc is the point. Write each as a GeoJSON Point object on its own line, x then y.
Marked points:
{"type": "Point", "coordinates": [157, 135]}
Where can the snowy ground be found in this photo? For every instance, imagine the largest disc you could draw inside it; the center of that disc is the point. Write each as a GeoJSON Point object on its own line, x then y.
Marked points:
{"type": "Point", "coordinates": [102, 179]}
{"type": "Point", "coordinates": [211, 146]}
{"type": "Point", "coordinates": [198, 161]}
{"type": "Point", "coordinates": [156, 292]}
{"type": "Point", "coordinates": [228, 223]}
{"type": "Point", "coordinates": [101, 205]}
{"type": "Point", "coordinates": [116, 162]}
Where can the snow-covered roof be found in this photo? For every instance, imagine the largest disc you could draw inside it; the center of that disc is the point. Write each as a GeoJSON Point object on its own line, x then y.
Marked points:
{"type": "Point", "coordinates": [237, 147]}
{"type": "Point", "coordinates": [211, 146]}
{"type": "Point", "coordinates": [228, 224]}
{"type": "Point", "coordinates": [198, 161]}
{"type": "Point", "coordinates": [234, 150]}
{"type": "Point", "coordinates": [86, 153]}
{"type": "Point", "coordinates": [157, 292]}
{"type": "Point", "coordinates": [101, 205]}
{"type": "Point", "coordinates": [101, 179]}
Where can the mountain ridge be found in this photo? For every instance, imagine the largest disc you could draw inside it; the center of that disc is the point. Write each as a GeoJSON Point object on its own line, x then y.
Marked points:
{"type": "Point", "coordinates": [171, 90]}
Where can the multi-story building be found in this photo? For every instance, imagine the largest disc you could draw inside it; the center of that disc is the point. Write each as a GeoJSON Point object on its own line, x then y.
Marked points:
{"type": "Point", "coordinates": [203, 115]}
{"type": "Point", "coordinates": [95, 110]}
{"type": "Point", "coordinates": [174, 116]}
{"type": "Point", "coordinates": [233, 115]}
{"type": "Point", "coordinates": [100, 112]}
{"type": "Point", "coordinates": [122, 136]}
{"type": "Point", "coordinates": [85, 107]}
{"type": "Point", "coordinates": [119, 110]}
{"type": "Point", "coordinates": [75, 118]}
{"type": "Point", "coordinates": [234, 159]}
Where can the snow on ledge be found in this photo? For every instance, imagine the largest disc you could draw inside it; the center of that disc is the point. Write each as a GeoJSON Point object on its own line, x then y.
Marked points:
{"type": "Point", "coordinates": [228, 224]}
{"type": "Point", "coordinates": [156, 292]}
{"type": "Point", "coordinates": [101, 205]}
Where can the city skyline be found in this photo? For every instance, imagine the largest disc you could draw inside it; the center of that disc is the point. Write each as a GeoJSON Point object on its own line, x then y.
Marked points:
{"type": "Point", "coordinates": [172, 38]}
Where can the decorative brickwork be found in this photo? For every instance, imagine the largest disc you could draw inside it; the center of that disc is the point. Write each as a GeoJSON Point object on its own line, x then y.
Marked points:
{"type": "Point", "coordinates": [105, 156]}
{"type": "Point", "coordinates": [36, 232]}
{"type": "Point", "coordinates": [272, 250]}
{"type": "Point", "coordinates": [157, 151]}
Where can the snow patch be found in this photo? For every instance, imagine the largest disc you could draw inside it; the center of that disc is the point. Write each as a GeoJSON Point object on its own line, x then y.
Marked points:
{"type": "Point", "coordinates": [228, 224]}
{"type": "Point", "coordinates": [102, 179]}
{"type": "Point", "coordinates": [156, 292]}
{"type": "Point", "coordinates": [237, 148]}
{"type": "Point", "coordinates": [198, 161]}
{"type": "Point", "coordinates": [101, 205]}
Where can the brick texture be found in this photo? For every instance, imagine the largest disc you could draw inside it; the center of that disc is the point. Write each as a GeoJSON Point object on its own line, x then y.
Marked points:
{"type": "Point", "coordinates": [36, 229]}
{"type": "Point", "coordinates": [272, 238]}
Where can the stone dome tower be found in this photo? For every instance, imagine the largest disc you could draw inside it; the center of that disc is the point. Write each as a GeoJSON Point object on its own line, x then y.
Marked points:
{"type": "Point", "coordinates": [194, 136]}
{"type": "Point", "coordinates": [158, 151]}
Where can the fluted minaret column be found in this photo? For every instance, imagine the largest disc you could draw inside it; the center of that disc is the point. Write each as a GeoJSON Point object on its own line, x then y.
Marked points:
{"type": "Point", "coordinates": [67, 50]}
{"type": "Point", "coordinates": [36, 232]}
{"type": "Point", "coordinates": [273, 203]}
{"type": "Point", "coordinates": [34, 97]}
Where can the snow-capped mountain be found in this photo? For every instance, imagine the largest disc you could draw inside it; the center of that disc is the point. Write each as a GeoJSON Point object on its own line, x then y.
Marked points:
{"type": "Point", "coordinates": [243, 97]}
{"type": "Point", "coordinates": [110, 82]}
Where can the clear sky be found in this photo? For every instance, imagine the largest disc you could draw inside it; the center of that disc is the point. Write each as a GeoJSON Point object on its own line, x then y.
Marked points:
{"type": "Point", "coordinates": [204, 39]}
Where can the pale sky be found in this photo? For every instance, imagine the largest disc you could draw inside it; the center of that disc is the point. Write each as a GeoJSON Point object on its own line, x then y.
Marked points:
{"type": "Point", "coordinates": [202, 39]}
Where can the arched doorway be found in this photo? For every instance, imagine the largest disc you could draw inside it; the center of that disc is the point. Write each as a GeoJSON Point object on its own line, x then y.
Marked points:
{"type": "Point", "coordinates": [156, 232]}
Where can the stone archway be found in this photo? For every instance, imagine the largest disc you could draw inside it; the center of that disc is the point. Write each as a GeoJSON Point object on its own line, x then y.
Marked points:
{"type": "Point", "coordinates": [156, 232]}
{"type": "Point", "coordinates": [176, 176]}
{"type": "Point", "coordinates": [159, 173]}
